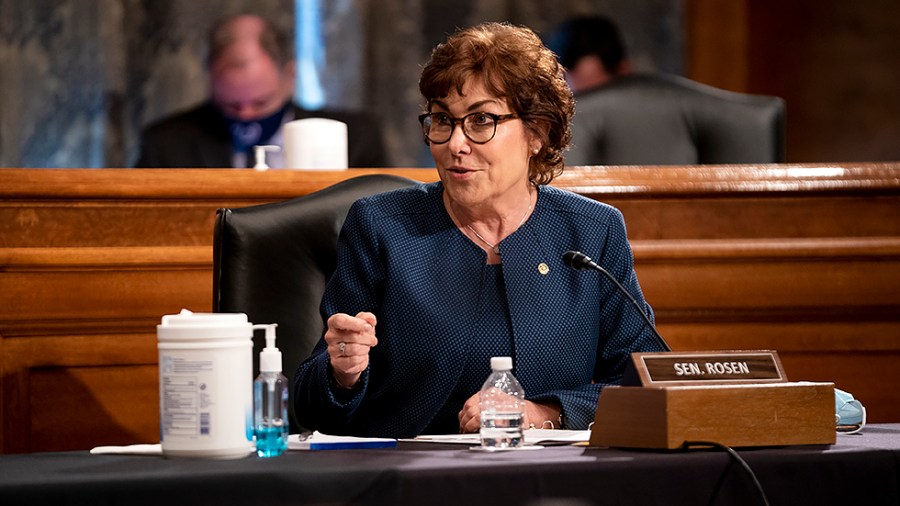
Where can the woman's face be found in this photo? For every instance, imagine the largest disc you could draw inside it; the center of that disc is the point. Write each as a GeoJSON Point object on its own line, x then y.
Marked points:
{"type": "Point", "coordinates": [483, 175]}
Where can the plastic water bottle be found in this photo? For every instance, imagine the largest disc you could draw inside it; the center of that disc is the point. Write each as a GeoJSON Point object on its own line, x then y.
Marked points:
{"type": "Point", "coordinates": [502, 408]}
{"type": "Point", "coordinates": [270, 400]}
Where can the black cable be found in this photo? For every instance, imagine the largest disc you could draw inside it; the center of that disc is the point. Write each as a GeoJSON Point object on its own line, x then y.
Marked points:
{"type": "Point", "coordinates": [578, 260]}
{"type": "Point", "coordinates": [723, 477]}
{"type": "Point", "coordinates": [737, 458]}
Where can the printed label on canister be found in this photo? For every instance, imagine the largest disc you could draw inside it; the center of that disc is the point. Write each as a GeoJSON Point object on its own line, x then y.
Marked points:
{"type": "Point", "coordinates": [205, 385]}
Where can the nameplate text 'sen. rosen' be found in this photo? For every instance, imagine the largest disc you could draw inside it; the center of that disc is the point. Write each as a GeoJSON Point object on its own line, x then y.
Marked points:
{"type": "Point", "coordinates": [722, 367]}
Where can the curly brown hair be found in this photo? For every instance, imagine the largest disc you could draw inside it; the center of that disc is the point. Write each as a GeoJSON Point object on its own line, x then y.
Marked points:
{"type": "Point", "coordinates": [516, 66]}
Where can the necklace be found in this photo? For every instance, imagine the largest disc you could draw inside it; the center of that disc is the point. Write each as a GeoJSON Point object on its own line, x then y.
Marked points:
{"type": "Point", "coordinates": [494, 247]}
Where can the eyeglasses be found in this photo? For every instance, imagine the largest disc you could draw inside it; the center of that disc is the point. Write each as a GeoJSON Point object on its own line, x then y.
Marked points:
{"type": "Point", "coordinates": [478, 127]}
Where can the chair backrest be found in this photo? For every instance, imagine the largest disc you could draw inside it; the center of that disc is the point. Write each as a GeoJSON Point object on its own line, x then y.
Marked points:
{"type": "Point", "coordinates": [272, 261]}
{"type": "Point", "coordinates": [659, 119]}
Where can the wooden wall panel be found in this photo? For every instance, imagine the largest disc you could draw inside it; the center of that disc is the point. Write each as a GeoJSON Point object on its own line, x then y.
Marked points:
{"type": "Point", "coordinates": [717, 43]}
{"type": "Point", "coordinates": [75, 391]}
{"type": "Point", "coordinates": [771, 276]}
{"type": "Point", "coordinates": [803, 259]}
{"type": "Point", "coordinates": [759, 217]}
{"type": "Point", "coordinates": [71, 405]}
{"type": "Point", "coordinates": [49, 288]}
{"type": "Point", "coordinates": [832, 61]}
{"type": "Point", "coordinates": [104, 223]}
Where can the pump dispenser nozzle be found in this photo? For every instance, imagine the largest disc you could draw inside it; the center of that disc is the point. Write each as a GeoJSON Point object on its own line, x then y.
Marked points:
{"type": "Point", "coordinates": [259, 152]}
{"type": "Point", "coordinates": [270, 357]}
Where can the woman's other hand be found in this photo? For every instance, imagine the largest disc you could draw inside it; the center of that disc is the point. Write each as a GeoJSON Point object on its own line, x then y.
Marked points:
{"type": "Point", "coordinates": [535, 414]}
{"type": "Point", "coordinates": [470, 415]}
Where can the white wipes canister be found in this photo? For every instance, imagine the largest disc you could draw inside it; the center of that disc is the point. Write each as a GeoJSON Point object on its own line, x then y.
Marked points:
{"type": "Point", "coordinates": [315, 144]}
{"type": "Point", "coordinates": [206, 385]}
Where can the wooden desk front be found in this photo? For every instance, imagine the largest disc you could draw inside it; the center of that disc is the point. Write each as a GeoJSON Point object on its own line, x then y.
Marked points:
{"type": "Point", "coordinates": [804, 259]}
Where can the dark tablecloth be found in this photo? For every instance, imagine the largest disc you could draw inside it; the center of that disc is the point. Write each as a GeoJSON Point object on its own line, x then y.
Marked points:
{"type": "Point", "coordinates": [859, 469]}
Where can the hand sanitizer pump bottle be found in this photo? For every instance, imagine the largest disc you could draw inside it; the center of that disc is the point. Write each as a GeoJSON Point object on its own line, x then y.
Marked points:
{"type": "Point", "coordinates": [270, 400]}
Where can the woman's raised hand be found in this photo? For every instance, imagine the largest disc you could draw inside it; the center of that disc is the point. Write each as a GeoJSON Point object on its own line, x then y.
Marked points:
{"type": "Point", "coordinates": [349, 340]}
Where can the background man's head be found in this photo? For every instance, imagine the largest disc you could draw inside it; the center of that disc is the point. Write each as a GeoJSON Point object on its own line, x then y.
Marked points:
{"type": "Point", "coordinates": [251, 67]}
{"type": "Point", "coordinates": [590, 48]}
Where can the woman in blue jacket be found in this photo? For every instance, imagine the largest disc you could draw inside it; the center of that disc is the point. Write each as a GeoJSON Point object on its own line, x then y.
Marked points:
{"type": "Point", "coordinates": [434, 280]}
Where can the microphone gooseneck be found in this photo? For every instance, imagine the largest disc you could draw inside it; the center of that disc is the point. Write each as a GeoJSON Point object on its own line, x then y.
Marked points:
{"type": "Point", "coordinates": [578, 261]}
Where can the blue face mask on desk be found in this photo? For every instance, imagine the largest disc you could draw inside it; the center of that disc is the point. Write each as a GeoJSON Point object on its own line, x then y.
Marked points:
{"type": "Point", "coordinates": [849, 413]}
{"type": "Point", "coordinates": [246, 134]}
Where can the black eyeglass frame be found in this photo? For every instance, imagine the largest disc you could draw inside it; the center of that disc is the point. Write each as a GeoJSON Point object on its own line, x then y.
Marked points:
{"type": "Point", "coordinates": [498, 118]}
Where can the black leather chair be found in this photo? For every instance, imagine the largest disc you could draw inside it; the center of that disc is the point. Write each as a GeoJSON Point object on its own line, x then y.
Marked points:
{"type": "Point", "coordinates": [659, 119]}
{"type": "Point", "coordinates": [272, 261]}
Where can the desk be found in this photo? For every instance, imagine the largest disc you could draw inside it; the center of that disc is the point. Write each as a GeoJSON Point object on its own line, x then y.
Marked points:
{"type": "Point", "coordinates": [859, 466]}
{"type": "Point", "coordinates": [802, 259]}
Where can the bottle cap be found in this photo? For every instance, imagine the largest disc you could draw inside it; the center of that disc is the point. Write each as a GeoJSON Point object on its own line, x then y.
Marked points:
{"type": "Point", "coordinates": [270, 357]}
{"type": "Point", "coordinates": [501, 363]}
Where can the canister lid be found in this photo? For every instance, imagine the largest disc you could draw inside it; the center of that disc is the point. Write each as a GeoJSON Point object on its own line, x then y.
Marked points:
{"type": "Point", "coordinates": [190, 325]}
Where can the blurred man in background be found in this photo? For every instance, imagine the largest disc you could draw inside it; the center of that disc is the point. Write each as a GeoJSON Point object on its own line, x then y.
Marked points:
{"type": "Point", "coordinates": [590, 48]}
{"type": "Point", "coordinates": [251, 76]}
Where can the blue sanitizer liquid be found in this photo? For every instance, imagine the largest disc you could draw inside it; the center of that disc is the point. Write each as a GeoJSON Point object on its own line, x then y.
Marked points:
{"type": "Point", "coordinates": [271, 441]}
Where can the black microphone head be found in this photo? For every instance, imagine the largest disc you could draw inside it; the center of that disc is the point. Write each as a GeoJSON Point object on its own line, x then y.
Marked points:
{"type": "Point", "coordinates": [576, 259]}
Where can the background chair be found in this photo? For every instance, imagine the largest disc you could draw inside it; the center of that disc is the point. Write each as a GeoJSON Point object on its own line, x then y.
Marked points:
{"type": "Point", "coordinates": [272, 262]}
{"type": "Point", "coordinates": [659, 119]}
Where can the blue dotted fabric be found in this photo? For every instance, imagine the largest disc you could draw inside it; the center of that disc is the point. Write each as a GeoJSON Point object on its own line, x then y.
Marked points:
{"type": "Point", "coordinates": [493, 338]}
{"type": "Point", "coordinates": [401, 257]}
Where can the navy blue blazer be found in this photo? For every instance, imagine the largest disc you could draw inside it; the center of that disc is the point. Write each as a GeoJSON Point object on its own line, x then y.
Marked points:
{"type": "Point", "coordinates": [401, 257]}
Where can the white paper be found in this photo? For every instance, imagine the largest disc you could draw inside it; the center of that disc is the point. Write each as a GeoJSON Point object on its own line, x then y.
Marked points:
{"type": "Point", "coordinates": [139, 449]}
{"type": "Point", "coordinates": [532, 437]}
{"type": "Point", "coordinates": [508, 449]}
{"type": "Point", "coordinates": [320, 441]}
{"type": "Point", "coordinates": [315, 144]}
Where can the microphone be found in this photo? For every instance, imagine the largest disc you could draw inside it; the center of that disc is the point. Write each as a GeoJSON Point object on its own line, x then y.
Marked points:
{"type": "Point", "coordinates": [578, 261]}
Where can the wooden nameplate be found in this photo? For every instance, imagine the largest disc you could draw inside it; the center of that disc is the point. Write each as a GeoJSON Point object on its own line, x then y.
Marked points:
{"type": "Point", "coordinates": [738, 399]}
